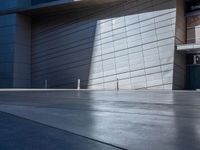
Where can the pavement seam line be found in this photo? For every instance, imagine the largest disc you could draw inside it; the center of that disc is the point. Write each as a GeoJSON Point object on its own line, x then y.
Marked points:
{"type": "Point", "coordinates": [72, 109]}
{"type": "Point", "coordinates": [69, 132]}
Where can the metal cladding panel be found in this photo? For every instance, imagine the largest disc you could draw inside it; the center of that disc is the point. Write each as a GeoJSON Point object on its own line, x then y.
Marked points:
{"type": "Point", "coordinates": [34, 2]}
{"type": "Point", "coordinates": [7, 47]}
{"type": "Point", "coordinates": [132, 42]}
{"type": "Point", "coordinates": [22, 59]}
{"type": "Point", "coordinates": [5, 4]}
{"type": "Point", "coordinates": [14, 51]}
{"type": "Point", "coordinates": [12, 4]}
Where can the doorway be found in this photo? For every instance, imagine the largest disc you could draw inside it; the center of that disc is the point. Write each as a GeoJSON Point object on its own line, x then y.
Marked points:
{"type": "Point", "coordinates": [193, 72]}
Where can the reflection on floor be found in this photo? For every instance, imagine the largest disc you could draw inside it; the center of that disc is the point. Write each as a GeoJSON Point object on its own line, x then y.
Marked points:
{"type": "Point", "coordinates": [101, 119]}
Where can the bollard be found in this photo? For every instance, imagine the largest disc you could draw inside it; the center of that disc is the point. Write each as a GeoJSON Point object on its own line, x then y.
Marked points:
{"type": "Point", "coordinates": [117, 84]}
{"type": "Point", "coordinates": [46, 84]}
{"type": "Point", "coordinates": [79, 84]}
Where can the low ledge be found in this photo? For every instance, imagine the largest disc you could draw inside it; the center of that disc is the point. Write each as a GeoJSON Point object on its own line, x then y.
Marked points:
{"type": "Point", "coordinates": [188, 48]}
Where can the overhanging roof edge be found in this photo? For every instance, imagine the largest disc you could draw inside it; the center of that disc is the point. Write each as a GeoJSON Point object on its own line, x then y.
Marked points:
{"type": "Point", "coordinates": [54, 6]}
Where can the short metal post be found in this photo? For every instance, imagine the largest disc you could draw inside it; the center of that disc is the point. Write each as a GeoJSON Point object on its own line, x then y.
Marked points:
{"type": "Point", "coordinates": [117, 84]}
{"type": "Point", "coordinates": [46, 84]}
{"type": "Point", "coordinates": [79, 84]}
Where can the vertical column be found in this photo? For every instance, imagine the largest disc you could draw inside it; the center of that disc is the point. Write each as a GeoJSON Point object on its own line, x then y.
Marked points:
{"type": "Point", "coordinates": [14, 46]}
{"type": "Point", "coordinates": [22, 57]}
{"type": "Point", "coordinates": [179, 58]}
{"type": "Point", "coordinates": [7, 48]}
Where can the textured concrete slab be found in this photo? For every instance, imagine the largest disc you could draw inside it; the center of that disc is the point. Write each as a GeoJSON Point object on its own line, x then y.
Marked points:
{"type": "Point", "coordinates": [22, 134]}
{"type": "Point", "coordinates": [137, 120]}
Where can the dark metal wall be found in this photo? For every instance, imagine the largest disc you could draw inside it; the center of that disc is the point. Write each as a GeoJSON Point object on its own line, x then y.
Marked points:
{"type": "Point", "coordinates": [7, 46]}
{"type": "Point", "coordinates": [15, 51]}
{"type": "Point", "coordinates": [12, 4]}
{"type": "Point", "coordinates": [34, 2]}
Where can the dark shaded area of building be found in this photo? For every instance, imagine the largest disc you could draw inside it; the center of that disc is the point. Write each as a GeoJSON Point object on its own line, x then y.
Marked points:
{"type": "Point", "coordinates": [34, 2]}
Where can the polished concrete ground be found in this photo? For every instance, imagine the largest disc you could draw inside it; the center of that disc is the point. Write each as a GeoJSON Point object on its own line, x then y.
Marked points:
{"type": "Point", "coordinates": [135, 120]}
{"type": "Point", "coordinates": [22, 134]}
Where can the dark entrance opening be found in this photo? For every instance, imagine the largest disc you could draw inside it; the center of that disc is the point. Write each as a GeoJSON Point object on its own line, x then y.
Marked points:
{"type": "Point", "coordinates": [193, 71]}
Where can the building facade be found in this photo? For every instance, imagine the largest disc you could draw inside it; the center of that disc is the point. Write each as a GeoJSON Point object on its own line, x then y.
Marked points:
{"type": "Point", "coordinates": [137, 44]}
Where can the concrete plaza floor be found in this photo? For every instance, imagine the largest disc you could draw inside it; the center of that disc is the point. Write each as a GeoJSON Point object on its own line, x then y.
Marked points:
{"type": "Point", "coordinates": [99, 120]}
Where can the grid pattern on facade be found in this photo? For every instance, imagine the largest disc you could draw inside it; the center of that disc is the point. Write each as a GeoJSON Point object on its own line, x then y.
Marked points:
{"type": "Point", "coordinates": [132, 41]}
